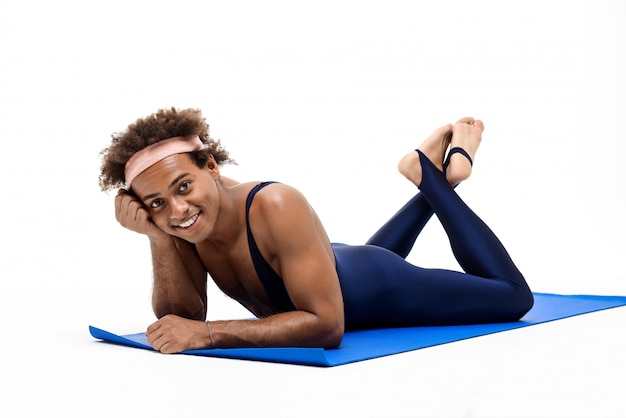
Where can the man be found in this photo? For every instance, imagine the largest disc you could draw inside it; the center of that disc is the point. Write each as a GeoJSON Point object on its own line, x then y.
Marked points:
{"type": "Point", "coordinates": [264, 246]}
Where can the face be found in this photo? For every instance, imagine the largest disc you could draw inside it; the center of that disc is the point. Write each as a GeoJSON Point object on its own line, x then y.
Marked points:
{"type": "Point", "coordinates": [183, 199]}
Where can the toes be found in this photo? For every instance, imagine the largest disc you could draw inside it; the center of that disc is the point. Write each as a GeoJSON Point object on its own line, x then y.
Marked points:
{"type": "Point", "coordinates": [445, 133]}
{"type": "Point", "coordinates": [469, 120]}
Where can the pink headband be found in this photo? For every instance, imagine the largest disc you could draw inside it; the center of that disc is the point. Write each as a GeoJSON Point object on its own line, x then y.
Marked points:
{"type": "Point", "coordinates": [154, 153]}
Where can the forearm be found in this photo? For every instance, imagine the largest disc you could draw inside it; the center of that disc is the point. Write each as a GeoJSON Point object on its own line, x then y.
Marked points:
{"type": "Point", "coordinates": [289, 329]}
{"type": "Point", "coordinates": [174, 291]}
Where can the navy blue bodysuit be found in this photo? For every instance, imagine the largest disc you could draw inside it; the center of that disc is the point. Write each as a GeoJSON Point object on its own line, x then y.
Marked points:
{"type": "Point", "coordinates": [380, 288]}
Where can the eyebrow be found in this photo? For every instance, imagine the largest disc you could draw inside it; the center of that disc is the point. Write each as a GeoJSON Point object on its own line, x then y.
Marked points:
{"type": "Point", "coordinates": [172, 184]}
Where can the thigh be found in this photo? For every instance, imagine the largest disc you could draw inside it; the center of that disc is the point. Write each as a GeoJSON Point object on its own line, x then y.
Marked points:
{"type": "Point", "coordinates": [380, 288]}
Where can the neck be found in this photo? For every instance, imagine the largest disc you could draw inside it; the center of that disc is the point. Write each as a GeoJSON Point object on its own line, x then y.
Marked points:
{"type": "Point", "coordinates": [230, 222]}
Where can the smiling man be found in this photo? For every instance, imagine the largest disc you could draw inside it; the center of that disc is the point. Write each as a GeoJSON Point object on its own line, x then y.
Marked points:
{"type": "Point", "coordinates": [265, 247]}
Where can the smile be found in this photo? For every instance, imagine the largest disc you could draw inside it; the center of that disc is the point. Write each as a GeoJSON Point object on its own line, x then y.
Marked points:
{"type": "Point", "coordinates": [189, 222]}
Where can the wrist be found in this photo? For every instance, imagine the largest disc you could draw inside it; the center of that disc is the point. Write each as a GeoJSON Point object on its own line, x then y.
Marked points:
{"type": "Point", "coordinates": [160, 241]}
{"type": "Point", "coordinates": [211, 340]}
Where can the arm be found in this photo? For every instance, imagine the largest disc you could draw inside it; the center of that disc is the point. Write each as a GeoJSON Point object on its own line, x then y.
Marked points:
{"type": "Point", "coordinates": [179, 278]}
{"type": "Point", "coordinates": [290, 232]}
{"type": "Point", "coordinates": [295, 243]}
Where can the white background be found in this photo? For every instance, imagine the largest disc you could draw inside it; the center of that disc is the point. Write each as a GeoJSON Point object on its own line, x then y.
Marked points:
{"type": "Point", "coordinates": [325, 96]}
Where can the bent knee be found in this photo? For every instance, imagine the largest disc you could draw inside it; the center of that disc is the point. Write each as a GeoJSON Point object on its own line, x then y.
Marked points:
{"type": "Point", "coordinates": [523, 302]}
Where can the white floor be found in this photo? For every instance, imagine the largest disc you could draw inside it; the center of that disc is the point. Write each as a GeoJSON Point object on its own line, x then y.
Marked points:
{"type": "Point", "coordinates": [325, 96]}
{"type": "Point", "coordinates": [569, 368]}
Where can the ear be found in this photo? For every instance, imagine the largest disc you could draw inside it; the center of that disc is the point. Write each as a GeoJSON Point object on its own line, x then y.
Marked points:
{"type": "Point", "coordinates": [213, 167]}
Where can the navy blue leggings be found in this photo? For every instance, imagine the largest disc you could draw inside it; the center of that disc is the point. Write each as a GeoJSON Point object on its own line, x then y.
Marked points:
{"type": "Point", "coordinates": [380, 288]}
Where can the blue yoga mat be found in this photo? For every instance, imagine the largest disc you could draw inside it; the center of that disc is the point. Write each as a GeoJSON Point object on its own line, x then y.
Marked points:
{"type": "Point", "coordinates": [369, 344]}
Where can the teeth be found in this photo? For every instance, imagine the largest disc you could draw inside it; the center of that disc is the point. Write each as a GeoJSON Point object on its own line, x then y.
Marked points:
{"type": "Point", "coordinates": [189, 222]}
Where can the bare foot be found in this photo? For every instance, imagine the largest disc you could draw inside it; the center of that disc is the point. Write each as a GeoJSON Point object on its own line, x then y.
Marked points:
{"type": "Point", "coordinates": [434, 147]}
{"type": "Point", "coordinates": [466, 134]}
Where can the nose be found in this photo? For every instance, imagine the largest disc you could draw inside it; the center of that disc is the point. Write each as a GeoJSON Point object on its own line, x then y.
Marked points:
{"type": "Point", "coordinates": [178, 208]}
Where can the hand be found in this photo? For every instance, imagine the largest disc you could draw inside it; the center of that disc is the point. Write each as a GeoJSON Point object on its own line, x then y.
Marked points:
{"type": "Point", "coordinates": [173, 334]}
{"type": "Point", "coordinates": [131, 214]}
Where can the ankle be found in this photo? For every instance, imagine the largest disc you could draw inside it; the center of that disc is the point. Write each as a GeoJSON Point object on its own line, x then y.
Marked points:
{"type": "Point", "coordinates": [409, 166]}
{"type": "Point", "coordinates": [458, 171]}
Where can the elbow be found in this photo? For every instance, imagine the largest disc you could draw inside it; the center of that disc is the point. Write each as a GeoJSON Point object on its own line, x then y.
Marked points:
{"type": "Point", "coordinates": [334, 341]}
{"type": "Point", "coordinates": [162, 309]}
{"type": "Point", "coordinates": [333, 335]}
{"type": "Point", "coordinates": [332, 327]}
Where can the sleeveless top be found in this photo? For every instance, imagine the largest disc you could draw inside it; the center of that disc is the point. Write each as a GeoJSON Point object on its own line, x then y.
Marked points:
{"type": "Point", "coordinates": [272, 282]}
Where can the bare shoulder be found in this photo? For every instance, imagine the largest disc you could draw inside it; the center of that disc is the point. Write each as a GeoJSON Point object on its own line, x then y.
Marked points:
{"type": "Point", "coordinates": [279, 198]}
{"type": "Point", "coordinates": [285, 218]}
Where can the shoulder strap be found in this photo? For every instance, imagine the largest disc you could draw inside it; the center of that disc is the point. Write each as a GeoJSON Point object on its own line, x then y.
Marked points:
{"type": "Point", "coordinates": [272, 282]}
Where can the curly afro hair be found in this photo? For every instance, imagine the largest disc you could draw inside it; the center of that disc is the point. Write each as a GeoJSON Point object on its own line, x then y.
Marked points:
{"type": "Point", "coordinates": [165, 123]}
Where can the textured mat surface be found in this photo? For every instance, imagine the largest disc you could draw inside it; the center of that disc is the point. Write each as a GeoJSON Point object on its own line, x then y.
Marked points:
{"type": "Point", "coordinates": [369, 344]}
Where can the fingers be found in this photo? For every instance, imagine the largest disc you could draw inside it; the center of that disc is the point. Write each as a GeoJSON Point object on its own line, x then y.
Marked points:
{"type": "Point", "coordinates": [153, 334]}
{"type": "Point", "coordinates": [124, 203]}
{"type": "Point", "coordinates": [157, 337]}
{"type": "Point", "coordinates": [174, 334]}
{"type": "Point", "coordinates": [163, 336]}
{"type": "Point", "coordinates": [129, 211]}
{"type": "Point", "coordinates": [153, 328]}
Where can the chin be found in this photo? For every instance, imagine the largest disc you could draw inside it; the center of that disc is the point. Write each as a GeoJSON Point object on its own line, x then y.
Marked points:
{"type": "Point", "coordinates": [192, 238]}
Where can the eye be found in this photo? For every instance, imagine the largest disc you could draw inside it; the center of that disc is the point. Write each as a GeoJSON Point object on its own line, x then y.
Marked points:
{"type": "Point", "coordinates": [156, 203]}
{"type": "Point", "coordinates": [184, 186]}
